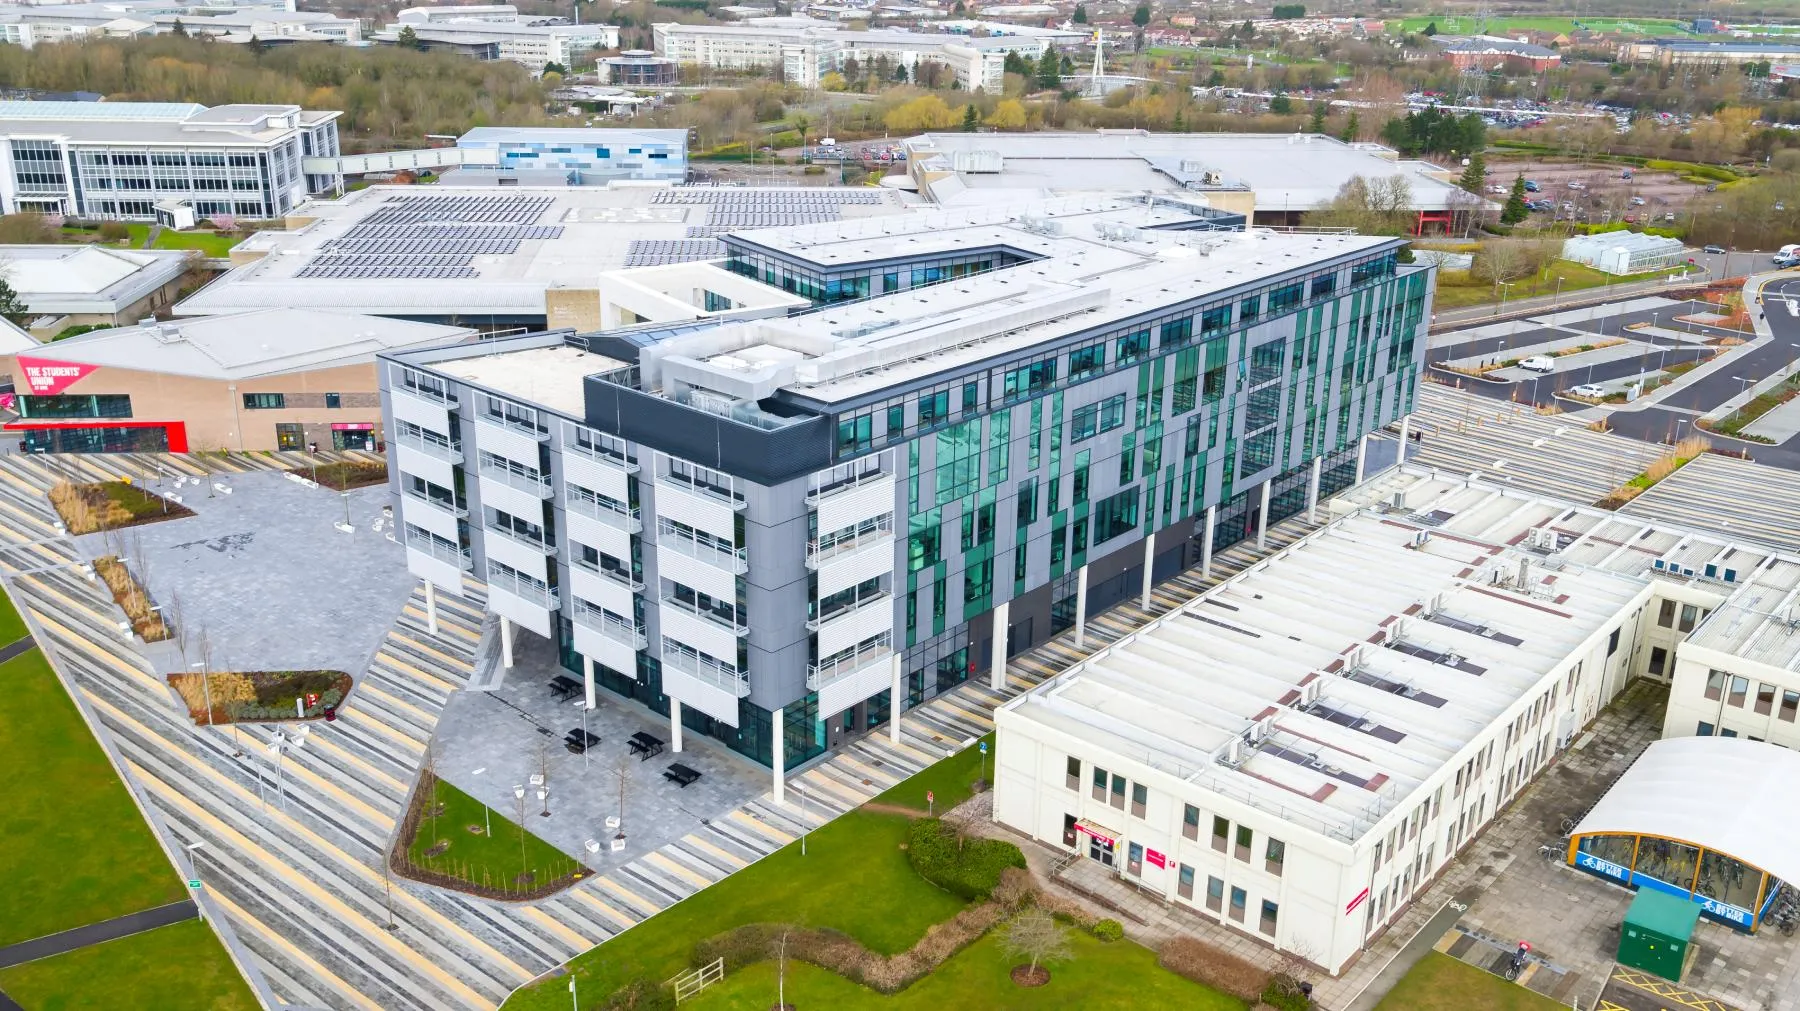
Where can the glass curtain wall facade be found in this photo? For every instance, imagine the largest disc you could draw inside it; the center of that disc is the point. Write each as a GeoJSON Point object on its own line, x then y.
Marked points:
{"type": "Point", "coordinates": [1728, 890]}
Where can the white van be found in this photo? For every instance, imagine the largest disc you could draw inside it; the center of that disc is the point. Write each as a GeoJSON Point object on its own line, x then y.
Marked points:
{"type": "Point", "coordinates": [1539, 363]}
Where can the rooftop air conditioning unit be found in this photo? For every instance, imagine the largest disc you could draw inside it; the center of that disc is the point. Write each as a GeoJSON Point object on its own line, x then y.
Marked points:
{"type": "Point", "coordinates": [1399, 502]}
{"type": "Point", "coordinates": [1310, 691]}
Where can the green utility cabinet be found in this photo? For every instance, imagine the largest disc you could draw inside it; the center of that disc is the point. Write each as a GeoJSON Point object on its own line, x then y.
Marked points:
{"type": "Point", "coordinates": [1655, 934]}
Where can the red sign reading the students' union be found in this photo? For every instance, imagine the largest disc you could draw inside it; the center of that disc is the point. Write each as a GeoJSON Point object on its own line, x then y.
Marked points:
{"type": "Point", "coordinates": [48, 378]}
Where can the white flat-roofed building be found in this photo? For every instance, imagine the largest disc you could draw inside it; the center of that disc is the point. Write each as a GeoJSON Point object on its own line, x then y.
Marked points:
{"type": "Point", "coordinates": [497, 13]}
{"type": "Point", "coordinates": [119, 159]}
{"type": "Point", "coordinates": [531, 42]}
{"type": "Point", "coordinates": [807, 53]}
{"type": "Point", "coordinates": [1738, 674]}
{"type": "Point", "coordinates": [1299, 751]}
{"type": "Point", "coordinates": [272, 22]}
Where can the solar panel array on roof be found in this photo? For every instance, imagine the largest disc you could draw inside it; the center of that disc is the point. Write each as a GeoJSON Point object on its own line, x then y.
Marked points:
{"type": "Point", "coordinates": [656, 252]}
{"type": "Point", "coordinates": [731, 209]}
{"type": "Point", "coordinates": [432, 237]}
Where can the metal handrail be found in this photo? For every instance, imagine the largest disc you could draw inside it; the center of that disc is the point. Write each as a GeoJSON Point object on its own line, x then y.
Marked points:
{"type": "Point", "coordinates": [818, 554]}
{"type": "Point", "coordinates": [814, 624]}
{"type": "Point", "coordinates": [699, 612]}
{"type": "Point", "coordinates": [438, 550]}
{"type": "Point", "coordinates": [522, 586]}
{"type": "Point", "coordinates": [736, 560]}
{"type": "Point", "coordinates": [628, 520]}
{"type": "Point", "coordinates": [533, 543]}
{"type": "Point", "coordinates": [539, 485]}
{"type": "Point", "coordinates": [821, 674]}
{"type": "Point", "coordinates": [431, 444]}
{"type": "Point", "coordinates": [724, 679]}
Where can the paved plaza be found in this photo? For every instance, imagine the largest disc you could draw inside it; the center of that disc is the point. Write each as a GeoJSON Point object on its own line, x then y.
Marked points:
{"type": "Point", "coordinates": [247, 573]}
{"type": "Point", "coordinates": [507, 734]}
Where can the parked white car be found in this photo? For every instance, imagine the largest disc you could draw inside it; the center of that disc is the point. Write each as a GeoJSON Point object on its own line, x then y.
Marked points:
{"type": "Point", "coordinates": [1588, 390]}
{"type": "Point", "coordinates": [1539, 363]}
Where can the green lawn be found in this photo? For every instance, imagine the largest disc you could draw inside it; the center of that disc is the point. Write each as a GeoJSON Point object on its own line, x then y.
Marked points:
{"type": "Point", "coordinates": [1442, 983]}
{"type": "Point", "coordinates": [12, 627]}
{"type": "Point", "coordinates": [1575, 277]}
{"type": "Point", "coordinates": [178, 966]}
{"type": "Point", "coordinates": [493, 862]}
{"type": "Point", "coordinates": [854, 878]}
{"type": "Point", "coordinates": [208, 243]}
{"type": "Point", "coordinates": [1121, 976]}
{"type": "Point", "coordinates": [73, 849]}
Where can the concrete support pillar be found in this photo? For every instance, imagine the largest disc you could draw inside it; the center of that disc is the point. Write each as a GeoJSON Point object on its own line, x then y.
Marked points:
{"type": "Point", "coordinates": [1081, 608]}
{"type": "Point", "coordinates": [997, 674]}
{"type": "Point", "coordinates": [431, 607]}
{"type": "Point", "coordinates": [675, 725]}
{"type": "Point", "coordinates": [1312, 490]}
{"type": "Point", "coordinates": [1362, 457]}
{"type": "Point", "coordinates": [1262, 516]}
{"type": "Point", "coordinates": [779, 756]}
{"type": "Point", "coordinates": [505, 642]}
{"type": "Point", "coordinates": [587, 679]}
{"type": "Point", "coordinates": [1206, 542]}
{"type": "Point", "coordinates": [1149, 567]}
{"type": "Point", "coordinates": [896, 698]}
{"type": "Point", "coordinates": [1405, 432]}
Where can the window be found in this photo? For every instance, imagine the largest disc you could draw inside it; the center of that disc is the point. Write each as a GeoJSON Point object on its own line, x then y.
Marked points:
{"type": "Point", "coordinates": [333, 401]}
{"type": "Point", "coordinates": [1659, 661]}
{"type": "Point", "coordinates": [1705, 729]}
{"type": "Point", "coordinates": [1112, 412]}
{"type": "Point", "coordinates": [1324, 285]}
{"type": "Point", "coordinates": [1790, 702]}
{"type": "Point", "coordinates": [1238, 900]}
{"type": "Point", "coordinates": [1666, 615]}
{"type": "Point", "coordinates": [1074, 773]}
{"type": "Point", "coordinates": [1215, 894]}
{"type": "Point", "coordinates": [1115, 515]}
{"type": "Point", "coordinates": [1688, 613]}
{"type": "Point", "coordinates": [90, 405]}
{"type": "Point", "coordinates": [1029, 379]}
{"type": "Point", "coordinates": [856, 434]}
{"type": "Point", "coordinates": [1140, 798]}
{"type": "Point", "coordinates": [1215, 319]}
{"type": "Point", "coordinates": [290, 436]}
{"type": "Point", "coordinates": [1190, 821]}
{"type": "Point", "coordinates": [1739, 688]}
{"type": "Point", "coordinates": [264, 401]}
{"type": "Point", "coordinates": [933, 408]}
{"type": "Point", "coordinates": [1285, 297]}
{"type": "Point", "coordinates": [1185, 883]}
{"type": "Point", "coordinates": [1612, 643]}
{"type": "Point", "coordinates": [1765, 698]}
{"type": "Point", "coordinates": [1027, 501]}
{"type": "Point", "coordinates": [1248, 310]}
{"type": "Point", "coordinates": [1274, 854]}
{"type": "Point", "coordinates": [1243, 843]}
{"type": "Point", "coordinates": [1118, 792]}
{"type": "Point", "coordinates": [1266, 922]}
{"type": "Point", "coordinates": [1086, 361]}
{"type": "Point", "coordinates": [1133, 346]}
{"type": "Point", "coordinates": [1715, 682]}
{"type": "Point", "coordinates": [1084, 423]}
{"type": "Point", "coordinates": [1221, 831]}
{"type": "Point", "coordinates": [1099, 791]}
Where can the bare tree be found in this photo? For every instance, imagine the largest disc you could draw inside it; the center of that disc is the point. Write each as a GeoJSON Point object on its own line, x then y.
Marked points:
{"type": "Point", "coordinates": [1035, 935]}
{"type": "Point", "coordinates": [623, 770]}
{"type": "Point", "coordinates": [1501, 261]}
{"type": "Point", "coordinates": [1379, 206]}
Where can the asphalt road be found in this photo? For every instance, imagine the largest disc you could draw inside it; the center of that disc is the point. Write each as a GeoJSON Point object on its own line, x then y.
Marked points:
{"type": "Point", "coordinates": [95, 933]}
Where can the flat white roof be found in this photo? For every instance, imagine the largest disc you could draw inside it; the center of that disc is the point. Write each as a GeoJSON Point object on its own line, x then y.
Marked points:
{"type": "Point", "coordinates": [553, 377]}
{"type": "Point", "coordinates": [1730, 795]}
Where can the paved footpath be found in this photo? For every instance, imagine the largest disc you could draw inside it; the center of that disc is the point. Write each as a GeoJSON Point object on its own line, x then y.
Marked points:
{"type": "Point", "coordinates": [96, 933]}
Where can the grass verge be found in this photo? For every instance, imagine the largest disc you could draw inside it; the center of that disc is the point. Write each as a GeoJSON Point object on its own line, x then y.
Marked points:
{"type": "Point", "coordinates": [1121, 976]}
{"type": "Point", "coordinates": [178, 966]}
{"type": "Point", "coordinates": [449, 845]}
{"type": "Point", "coordinates": [110, 505]}
{"type": "Point", "coordinates": [12, 626]}
{"type": "Point", "coordinates": [854, 878]}
{"type": "Point", "coordinates": [73, 849]}
{"type": "Point", "coordinates": [1442, 983]}
{"type": "Point", "coordinates": [208, 243]}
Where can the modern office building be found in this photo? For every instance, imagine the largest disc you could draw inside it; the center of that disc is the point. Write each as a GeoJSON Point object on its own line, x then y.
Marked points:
{"type": "Point", "coordinates": [275, 379]}
{"type": "Point", "coordinates": [806, 54]}
{"type": "Point", "coordinates": [533, 42]}
{"type": "Point", "coordinates": [26, 25]}
{"type": "Point", "coordinates": [118, 159]}
{"type": "Point", "coordinates": [1300, 751]}
{"type": "Point", "coordinates": [639, 68]}
{"type": "Point", "coordinates": [778, 531]}
{"type": "Point", "coordinates": [584, 157]}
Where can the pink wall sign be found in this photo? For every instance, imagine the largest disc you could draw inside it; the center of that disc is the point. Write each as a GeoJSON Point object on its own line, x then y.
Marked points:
{"type": "Point", "coordinates": [48, 378]}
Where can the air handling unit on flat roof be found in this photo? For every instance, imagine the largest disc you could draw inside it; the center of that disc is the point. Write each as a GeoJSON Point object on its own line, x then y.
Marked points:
{"type": "Point", "coordinates": [985, 161]}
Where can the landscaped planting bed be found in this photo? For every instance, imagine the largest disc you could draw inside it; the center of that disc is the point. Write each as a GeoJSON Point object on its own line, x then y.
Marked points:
{"type": "Point", "coordinates": [110, 505]}
{"type": "Point", "coordinates": [345, 475]}
{"type": "Point", "coordinates": [260, 696]}
{"type": "Point", "coordinates": [128, 593]}
{"type": "Point", "coordinates": [445, 841]}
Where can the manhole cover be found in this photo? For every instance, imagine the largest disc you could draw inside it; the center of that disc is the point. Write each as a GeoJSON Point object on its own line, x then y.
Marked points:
{"type": "Point", "coordinates": [868, 782]}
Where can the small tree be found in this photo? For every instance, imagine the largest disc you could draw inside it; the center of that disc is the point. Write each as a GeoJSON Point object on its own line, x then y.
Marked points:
{"type": "Point", "coordinates": [1141, 16]}
{"type": "Point", "coordinates": [1080, 17]}
{"type": "Point", "coordinates": [1049, 70]}
{"type": "Point", "coordinates": [971, 118]}
{"type": "Point", "coordinates": [1474, 176]}
{"type": "Point", "coordinates": [1430, 29]}
{"type": "Point", "coordinates": [1515, 210]}
{"type": "Point", "coordinates": [1281, 105]}
{"type": "Point", "coordinates": [178, 29]}
{"type": "Point", "coordinates": [11, 305]}
{"type": "Point", "coordinates": [407, 38]}
{"type": "Point", "coordinates": [1351, 125]}
{"type": "Point", "coordinates": [1035, 935]}
{"type": "Point", "coordinates": [1318, 118]}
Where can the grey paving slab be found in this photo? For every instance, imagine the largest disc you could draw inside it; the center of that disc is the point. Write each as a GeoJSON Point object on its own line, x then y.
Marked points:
{"type": "Point", "coordinates": [265, 574]}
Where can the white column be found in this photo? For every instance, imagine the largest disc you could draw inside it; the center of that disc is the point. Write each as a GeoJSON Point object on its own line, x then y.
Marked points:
{"type": "Point", "coordinates": [1262, 516]}
{"type": "Point", "coordinates": [675, 725]}
{"type": "Point", "coordinates": [1362, 457]}
{"type": "Point", "coordinates": [896, 699]}
{"type": "Point", "coordinates": [587, 678]}
{"type": "Point", "coordinates": [1081, 608]}
{"type": "Point", "coordinates": [1149, 566]}
{"type": "Point", "coordinates": [778, 756]}
{"type": "Point", "coordinates": [1206, 543]}
{"type": "Point", "coordinates": [431, 607]}
{"type": "Point", "coordinates": [997, 675]}
{"type": "Point", "coordinates": [1312, 490]}
{"type": "Point", "coordinates": [1405, 430]}
{"type": "Point", "coordinates": [505, 643]}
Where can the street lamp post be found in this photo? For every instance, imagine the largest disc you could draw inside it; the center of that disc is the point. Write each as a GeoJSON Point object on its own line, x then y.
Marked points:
{"type": "Point", "coordinates": [1554, 299]}
{"type": "Point", "coordinates": [487, 823]}
{"type": "Point", "coordinates": [519, 795]}
{"type": "Point", "coordinates": [205, 688]}
{"type": "Point", "coordinates": [194, 862]}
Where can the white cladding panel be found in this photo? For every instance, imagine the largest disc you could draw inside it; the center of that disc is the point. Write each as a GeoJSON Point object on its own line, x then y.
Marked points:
{"type": "Point", "coordinates": [607, 539]}
{"type": "Point", "coordinates": [702, 512]}
{"type": "Point", "coordinates": [412, 461]}
{"type": "Point", "coordinates": [497, 494]}
{"type": "Point", "coordinates": [444, 575]}
{"type": "Point", "coordinates": [527, 613]}
{"type": "Point", "coordinates": [504, 440]}
{"type": "Point", "coordinates": [601, 478]}
{"type": "Point", "coordinates": [695, 574]}
{"type": "Point", "coordinates": [864, 502]}
{"type": "Point", "coordinates": [703, 634]}
{"type": "Point", "coordinates": [717, 703]}
{"type": "Point", "coordinates": [859, 625]}
{"type": "Point", "coordinates": [435, 518]}
{"type": "Point", "coordinates": [421, 412]}
{"type": "Point", "coordinates": [502, 548]}
{"type": "Point", "coordinates": [847, 691]}
{"type": "Point", "coordinates": [854, 567]}
{"type": "Point", "coordinates": [594, 588]}
{"type": "Point", "coordinates": [616, 655]}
